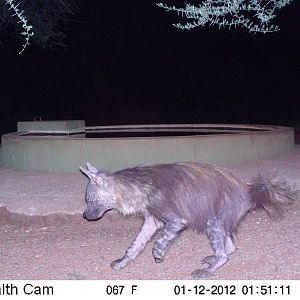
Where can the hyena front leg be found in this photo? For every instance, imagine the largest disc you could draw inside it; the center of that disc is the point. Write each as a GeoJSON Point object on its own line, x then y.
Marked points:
{"type": "Point", "coordinates": [163, 244]}
{"type": "Point", "coordinates": [151, 225]}
{"type": "Point", "coordinates": [222, 246]}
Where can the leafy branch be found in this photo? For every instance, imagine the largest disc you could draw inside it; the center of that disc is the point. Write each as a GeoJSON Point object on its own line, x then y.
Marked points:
{"type": "Point", "coordinates": [255, 15]}
{"type": "Point", "coordinates": [22, 19]}
{"type": "Point", "coordinates": [47, 19]}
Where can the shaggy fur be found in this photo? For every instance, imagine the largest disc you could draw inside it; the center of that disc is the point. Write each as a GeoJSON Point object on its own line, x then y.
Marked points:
{"type": "Point", "coordinates": [175, 196]}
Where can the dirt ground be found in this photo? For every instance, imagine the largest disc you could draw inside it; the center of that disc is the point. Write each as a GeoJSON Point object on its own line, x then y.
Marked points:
{"type": "Point", "coordinates": [84, 250]}
{"type": "Point", "coordinates": [73, 248]}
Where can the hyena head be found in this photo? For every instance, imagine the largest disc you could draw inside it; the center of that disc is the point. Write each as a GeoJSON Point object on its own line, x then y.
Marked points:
{"type": "Point", "coordinates": [98, 198]}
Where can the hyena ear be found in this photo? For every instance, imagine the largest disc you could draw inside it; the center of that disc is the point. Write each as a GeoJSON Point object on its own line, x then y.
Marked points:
{"type": "Point", "coordinates": [91, 168]}
{"type": "Point", "coordinates": [95, 177]}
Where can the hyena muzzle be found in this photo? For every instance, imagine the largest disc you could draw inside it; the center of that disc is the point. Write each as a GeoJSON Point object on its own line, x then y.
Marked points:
{"type": "Point", "coordinates": [172, 197]}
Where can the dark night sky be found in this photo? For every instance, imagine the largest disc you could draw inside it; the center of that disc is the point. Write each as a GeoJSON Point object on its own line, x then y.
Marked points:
{"type": "Point", "coordinates": [126, 64]}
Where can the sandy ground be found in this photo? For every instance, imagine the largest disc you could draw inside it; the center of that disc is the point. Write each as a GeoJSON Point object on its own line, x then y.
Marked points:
{"type": "Point", "coordinates": [68, 247]}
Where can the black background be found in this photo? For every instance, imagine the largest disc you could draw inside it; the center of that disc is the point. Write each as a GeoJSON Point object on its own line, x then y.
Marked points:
{"type": "Point", "coordinates": [126, 64]}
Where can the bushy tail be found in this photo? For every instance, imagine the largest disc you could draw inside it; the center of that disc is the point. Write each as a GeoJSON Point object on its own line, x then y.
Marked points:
{"type": "Point", "coordinates": [271, 194]}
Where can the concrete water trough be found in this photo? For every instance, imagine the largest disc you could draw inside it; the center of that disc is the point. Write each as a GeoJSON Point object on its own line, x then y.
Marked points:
{"type": "Point", "coordinates": [61, 146]}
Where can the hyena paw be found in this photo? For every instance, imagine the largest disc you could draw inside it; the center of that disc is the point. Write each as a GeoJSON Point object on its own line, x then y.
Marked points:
{"type": "Point", "coordinates": [158, 255]}
{"type": "Point", "coordinates": [209, 259]}
{"type": "Point", "coordinates": [118, 264]}
{"type": "Point", "coordinates": [202, 273]}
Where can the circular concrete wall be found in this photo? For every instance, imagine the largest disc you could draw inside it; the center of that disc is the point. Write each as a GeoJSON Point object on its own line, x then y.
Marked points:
{"type": "Point", "coordinates": [212, 143]}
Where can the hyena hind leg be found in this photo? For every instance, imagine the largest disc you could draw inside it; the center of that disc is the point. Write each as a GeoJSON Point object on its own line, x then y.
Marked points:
{"type": "Point", "coordinates": [222, 246]}
{"type": "Point", "coordinates": [229, 248]}
{"type": "Point", "coordinates": [162, 245]}
{"type": "Point", "coordinates": [150, 226]}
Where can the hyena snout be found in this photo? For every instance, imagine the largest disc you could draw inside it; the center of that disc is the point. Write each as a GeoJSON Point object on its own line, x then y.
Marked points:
{"type": "Point", "coordinates": [93, 213]}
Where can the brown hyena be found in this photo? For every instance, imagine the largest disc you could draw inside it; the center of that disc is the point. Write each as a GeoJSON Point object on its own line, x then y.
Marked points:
{"type": "Point", "coordinates": [180, 195]}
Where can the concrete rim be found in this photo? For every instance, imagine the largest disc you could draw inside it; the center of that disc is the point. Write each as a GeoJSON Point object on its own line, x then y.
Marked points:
{"type": "Point", "coordinates": [235, 143]}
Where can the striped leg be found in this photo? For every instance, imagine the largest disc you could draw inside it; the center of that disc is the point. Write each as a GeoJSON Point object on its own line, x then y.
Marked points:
{"type": "Point", "coordinates": [222, 246]}
{"type": "Point", "coordinates": [151, 225]}
{"type": "Point", "coordinates": [162, 245]}
{"type": "Point", "coordinates": [229, 248]}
